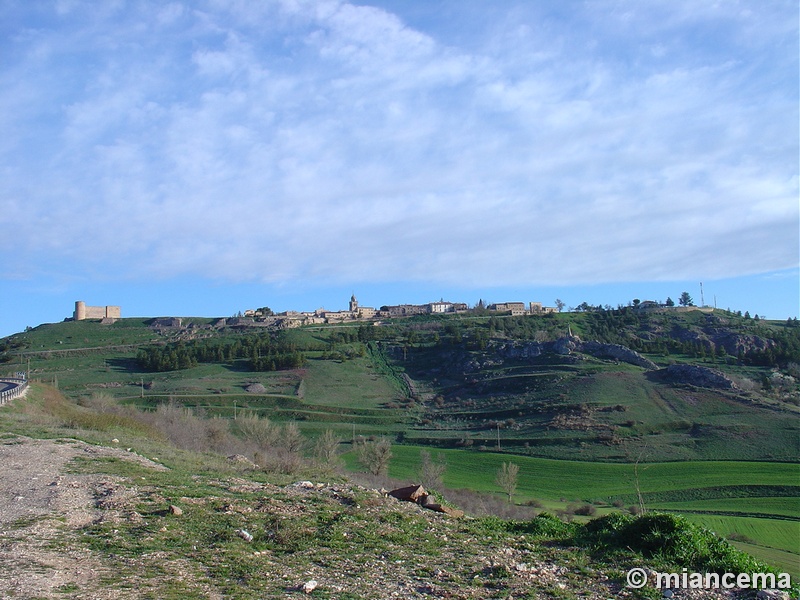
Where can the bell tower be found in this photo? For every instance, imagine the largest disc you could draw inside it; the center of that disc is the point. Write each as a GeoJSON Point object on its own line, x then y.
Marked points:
{"type": "Point", "coordinates": [353, 304]}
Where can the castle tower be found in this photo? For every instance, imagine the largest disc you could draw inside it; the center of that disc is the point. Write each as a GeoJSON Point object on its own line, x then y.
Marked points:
{"type": "Point", "coordinates": [80, 311]}
{"type": "Point", "coordinates": [353, 304]}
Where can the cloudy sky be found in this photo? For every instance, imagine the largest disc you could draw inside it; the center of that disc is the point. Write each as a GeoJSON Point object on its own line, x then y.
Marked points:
{"type": "Point", "coordinates": [204, 157]}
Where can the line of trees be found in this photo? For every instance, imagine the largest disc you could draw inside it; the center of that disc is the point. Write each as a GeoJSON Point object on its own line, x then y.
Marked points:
{"type": "Point", "coordinates": [262, 353]}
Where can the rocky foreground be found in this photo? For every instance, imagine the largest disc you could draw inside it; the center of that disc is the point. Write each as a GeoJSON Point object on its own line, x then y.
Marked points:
{"type": "Point", "coordinates": [82, 521]}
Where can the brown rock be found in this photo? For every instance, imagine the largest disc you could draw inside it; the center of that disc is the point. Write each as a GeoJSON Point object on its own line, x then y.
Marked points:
{"type": "Point", "coordinates": [451, 512]}
{"type": "Point", "coordinates": [412, 493]}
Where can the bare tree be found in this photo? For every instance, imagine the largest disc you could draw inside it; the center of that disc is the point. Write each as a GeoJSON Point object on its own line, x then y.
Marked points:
{"type": "Point", "coordinates": [291, 439]}
{"type": "Point", "coordinates": [375, 456]}
{"type": "Point", "coordinates": [326, 450]}
{"type": "Point", "coordinates": [507, 478]}
{"type": "Point", "coordinates": [258, 430]}
{"type": "Point", "coordinates": [642, 508]}
{"type": "Point", "coordinates": [431, 471]}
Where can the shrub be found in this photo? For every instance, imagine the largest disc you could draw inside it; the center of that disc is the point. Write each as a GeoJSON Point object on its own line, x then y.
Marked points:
{"type": "Point", "coordinates": [258, 430]}
{"type": "Point", "coordinates": [375, 455]}
{"type": "Point", "coordinates": [670, 538]}
{"type": "Point", "coordinates": [326, 450]}
{"type": "Point", "coordinates": [290, 438]}
{"type": "Point", "coordinates": [605, 531]}
{"type": "Point", "coordinates": [432, 470]}
{"type": "Point", "coordinates": [548, 526]}
{"type": "Point", "coordinates": [587, 510]}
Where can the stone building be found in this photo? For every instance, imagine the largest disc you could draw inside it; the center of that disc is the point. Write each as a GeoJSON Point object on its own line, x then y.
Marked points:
{"type": "Point", "coordinates": [515, 308]}
{"type": "Point", "coordinates": [82, 312]}
{"type": "Point", "coordinates": [538, 309]}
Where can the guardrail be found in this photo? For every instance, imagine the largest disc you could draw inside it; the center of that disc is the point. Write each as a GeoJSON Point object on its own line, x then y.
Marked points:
{"type": "Point", "coordinates": [20, 385]}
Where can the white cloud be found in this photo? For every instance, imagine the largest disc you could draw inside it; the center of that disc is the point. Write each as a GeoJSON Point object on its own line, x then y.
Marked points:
{"type": "Point", "coordinates": [295, 140]}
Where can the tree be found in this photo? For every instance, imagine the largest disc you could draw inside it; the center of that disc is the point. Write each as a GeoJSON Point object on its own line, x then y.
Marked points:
{"type": "Point", "coordinates": [431, 471]}
{"type": "Point", "coordinates": [685, 299]}
{"type": "Point", "coordinates": [291, 439]}
{"type": "Point", "coordinates": [507, 479]}
{"type": "Point", "coordinates": [560, 304]}
{"type": "Point", "coordinates": [670, 301]}
{"type": "Point", "coordinates": [375, 456]}
{"type": "Point", "coordinates": [326, 450]}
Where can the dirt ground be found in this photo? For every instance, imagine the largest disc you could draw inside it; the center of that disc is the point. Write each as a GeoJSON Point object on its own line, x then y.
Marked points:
{"type": "Point", "coordinates": [38, 501]}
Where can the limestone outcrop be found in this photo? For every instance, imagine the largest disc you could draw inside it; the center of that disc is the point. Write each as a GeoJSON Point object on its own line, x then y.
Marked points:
{"type": "Point", "coordinates": [698, 376]}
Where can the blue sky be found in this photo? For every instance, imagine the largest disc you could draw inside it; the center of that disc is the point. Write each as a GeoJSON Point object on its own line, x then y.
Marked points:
{"type": "Point", "coordinates": [200, 158]}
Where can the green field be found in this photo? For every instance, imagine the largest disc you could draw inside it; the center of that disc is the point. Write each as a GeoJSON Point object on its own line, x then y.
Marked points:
{"type": "Point", "coordinates": [558, 484]}
{"type": "Point", "coordinates": [589, 481]}
{"type": "Point", "coordinates": [772, 507]}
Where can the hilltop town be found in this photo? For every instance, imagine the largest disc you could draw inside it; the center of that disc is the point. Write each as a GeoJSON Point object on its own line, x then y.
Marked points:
{"type": "Point", "coordinates": [355, 312]}
{"type": "Point", "coordinates": [265, 317]}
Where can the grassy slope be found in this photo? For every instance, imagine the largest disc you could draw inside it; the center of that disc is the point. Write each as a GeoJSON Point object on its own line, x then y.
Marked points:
{"type": "Point", "coordinates": [600, 411]}
{"type": "Point", "coordinates": [354, 542]}
{"type": "Point", "coordinates": [341, 395]}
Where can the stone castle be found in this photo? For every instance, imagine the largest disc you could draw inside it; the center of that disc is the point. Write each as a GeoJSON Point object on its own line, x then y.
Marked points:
{"type": "Point", "coordinates": [108, 314]}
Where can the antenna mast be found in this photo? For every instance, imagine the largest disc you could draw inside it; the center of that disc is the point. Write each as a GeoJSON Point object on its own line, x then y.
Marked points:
{"type": "Point", "coordinates": [702, 298]}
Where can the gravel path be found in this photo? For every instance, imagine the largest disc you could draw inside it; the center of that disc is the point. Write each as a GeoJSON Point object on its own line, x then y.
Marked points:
{"type": "Point", "coordinates": [38, 500]}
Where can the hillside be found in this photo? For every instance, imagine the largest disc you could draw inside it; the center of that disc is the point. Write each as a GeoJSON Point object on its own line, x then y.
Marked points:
{"type": "Point", "coordinates": [604, 411]}
{"type": "Point", "coordinates": [137, 517]}
{"type": "Point", "coordinates": [615, 385]}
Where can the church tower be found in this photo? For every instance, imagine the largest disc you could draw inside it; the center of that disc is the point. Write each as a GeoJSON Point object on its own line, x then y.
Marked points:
{"type": "Point", "coordinates": [353, 304]}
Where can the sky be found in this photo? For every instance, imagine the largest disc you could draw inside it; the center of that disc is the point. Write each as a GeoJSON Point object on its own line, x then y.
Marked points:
{"type": "Point", "coordinates": [202, 158]}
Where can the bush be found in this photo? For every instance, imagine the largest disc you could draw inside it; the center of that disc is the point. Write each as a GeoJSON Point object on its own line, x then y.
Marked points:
{"type": "Point", "coordinates": [669, 538]}
{"type": "Point", "coordinates": [375, 455]}
{"type": "Point", "coordinates": [548, 526]}
{"type": "Point", "coordinates": [256, 429]}
{"type": "Point", "coordinates": [326, 450]}
{"type": "Point", "coordinates": [587, 510]}
{"type": "Point", "coordinates": [605, 531]}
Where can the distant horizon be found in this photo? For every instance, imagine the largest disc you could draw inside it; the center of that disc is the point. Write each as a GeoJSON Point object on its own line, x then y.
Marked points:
{"type": "Point", "coordinates": [765, 295]}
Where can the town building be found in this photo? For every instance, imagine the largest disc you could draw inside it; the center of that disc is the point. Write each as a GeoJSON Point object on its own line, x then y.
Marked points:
{"type": "Point", "coordinates": [536, 308]}
{"type": "Point", "coordinates": [517, 309]}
